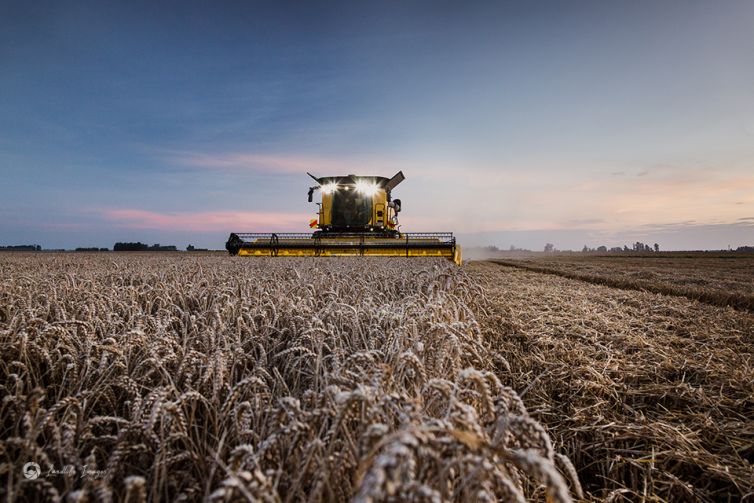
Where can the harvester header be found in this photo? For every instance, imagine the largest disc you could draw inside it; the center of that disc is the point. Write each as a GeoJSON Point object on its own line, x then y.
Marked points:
{"type": "Point", "coordinates": [357, 216]}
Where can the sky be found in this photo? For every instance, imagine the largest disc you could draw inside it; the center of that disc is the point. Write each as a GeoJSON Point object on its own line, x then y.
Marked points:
{"type": "Point", "coordinates": [515, 123]}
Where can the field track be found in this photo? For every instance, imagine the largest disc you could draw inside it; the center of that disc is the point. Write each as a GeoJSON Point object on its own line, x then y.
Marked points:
{"type": "Point", "coordinates": [713, 296]}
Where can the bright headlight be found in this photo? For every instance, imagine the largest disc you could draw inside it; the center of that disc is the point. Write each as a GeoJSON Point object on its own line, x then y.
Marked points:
{"type": "Point", "coordinates": [366, 188]}
{"type": "Point", "coordinates": [329, 188]}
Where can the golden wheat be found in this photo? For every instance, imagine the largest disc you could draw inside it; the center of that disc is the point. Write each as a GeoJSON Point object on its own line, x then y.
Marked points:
{"type": "Point", "coordinates": [170, 377]}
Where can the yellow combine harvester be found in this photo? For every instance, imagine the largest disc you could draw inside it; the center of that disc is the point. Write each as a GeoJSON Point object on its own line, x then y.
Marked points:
{"type": "Point", "coordinates": [357, 217]}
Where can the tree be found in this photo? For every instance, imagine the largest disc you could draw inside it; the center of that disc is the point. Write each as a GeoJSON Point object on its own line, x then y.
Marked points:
{"type": "Point", "coordinates": [549, 247]}
{"type": "Point", "coordinates": [138, 246]}
{"type": "Point", "coordinates": [602, 249]}
{"type": "Point", "coordinates": [190, 248]}
{"type": "Point", "coordinates": [657, 247]}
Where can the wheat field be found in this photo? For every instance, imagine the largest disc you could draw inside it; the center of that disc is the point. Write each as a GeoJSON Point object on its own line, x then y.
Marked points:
{"type": "Point", "coordinates": [167, 377]}
{"type": "Point", "coordinates": [175, 377]}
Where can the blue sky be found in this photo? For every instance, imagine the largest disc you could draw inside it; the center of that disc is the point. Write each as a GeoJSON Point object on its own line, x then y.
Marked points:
{"type": "Point", "coordinates": [514, 122]}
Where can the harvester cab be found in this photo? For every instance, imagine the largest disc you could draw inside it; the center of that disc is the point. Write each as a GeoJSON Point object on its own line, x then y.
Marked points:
{"type": "Point", "coordinates": [357, 204]}
{"type": "Point", "coordinates": [357, 216]}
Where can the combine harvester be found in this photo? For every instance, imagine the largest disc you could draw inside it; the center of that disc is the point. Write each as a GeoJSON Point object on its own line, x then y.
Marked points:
{"type": "Point", "coordinates": [357, 217]}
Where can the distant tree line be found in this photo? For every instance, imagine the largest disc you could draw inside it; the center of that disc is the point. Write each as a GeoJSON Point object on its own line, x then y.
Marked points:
{"type": "Point", "coordinates": [21, 248]}
{"type": "Point", "coordinates": [636, 247]}
{"type": "Point", "coordinates": [93, 249]}
{"type": "Point", "coordinates": [139, 246]}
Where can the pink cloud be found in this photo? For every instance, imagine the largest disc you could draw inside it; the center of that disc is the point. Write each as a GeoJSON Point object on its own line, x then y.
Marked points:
{"type": "Point", "coordinates": [301, 163]}
{"type": "Point", "coordinates": [227, 221]}
{"type": "Point", "coordinates": [252, 221]}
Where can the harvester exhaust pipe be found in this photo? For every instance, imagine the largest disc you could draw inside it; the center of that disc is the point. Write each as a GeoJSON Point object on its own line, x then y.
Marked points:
{"type": "Point", "coordinates": [397, 178]}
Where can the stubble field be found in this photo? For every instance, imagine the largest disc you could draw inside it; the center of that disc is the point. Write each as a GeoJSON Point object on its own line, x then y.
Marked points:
{"type": "Point", "coordinates": [720, 279]}
{"type": "Point", "coordinates": [651, 396]}
{"type": "Point", "coordinates": [169, 377]}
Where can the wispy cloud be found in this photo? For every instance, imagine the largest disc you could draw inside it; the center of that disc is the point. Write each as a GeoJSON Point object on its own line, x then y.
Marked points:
{"type": "Point", "coordinates": [261, 163]}
{"type": "Point", "coordinates": [65, 225]}
{"type": "Point", "coordinates": [209, 221]}
{"type": "Point", "coordinates": [585, 221]}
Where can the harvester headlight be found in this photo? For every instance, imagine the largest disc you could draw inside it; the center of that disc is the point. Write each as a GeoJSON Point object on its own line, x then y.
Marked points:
{"type": "Point", "coordinates": [366, 188]}
{"type": "Point", "coordinates": [329, 188]}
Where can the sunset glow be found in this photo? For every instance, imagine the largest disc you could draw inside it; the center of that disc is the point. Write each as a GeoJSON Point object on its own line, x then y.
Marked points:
{"type": "Point", "coordinates": [595, 122]}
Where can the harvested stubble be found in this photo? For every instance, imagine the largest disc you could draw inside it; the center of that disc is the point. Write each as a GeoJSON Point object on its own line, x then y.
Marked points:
{"type": "Point", "coordinates": [651, 396]}
{"type": "Point", "coordinates": [722, 280]}
{"type": "Point", "coordinates": [187, 378]}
